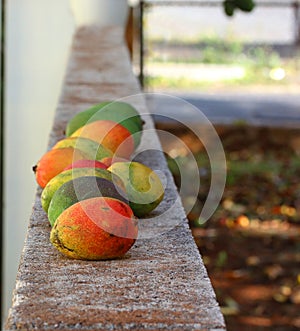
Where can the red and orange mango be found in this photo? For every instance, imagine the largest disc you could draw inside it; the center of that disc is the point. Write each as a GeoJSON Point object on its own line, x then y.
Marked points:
{"type": "Point", "coordinates": [54, 162]}
{"type": "Point", "coordinates": [95, 229]}
{"type": "Point", "coordinates": [110, 134]}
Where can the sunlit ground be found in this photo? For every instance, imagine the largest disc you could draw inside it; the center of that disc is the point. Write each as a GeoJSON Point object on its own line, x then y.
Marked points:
{"type": "Point", "coordinates": [214, 64]}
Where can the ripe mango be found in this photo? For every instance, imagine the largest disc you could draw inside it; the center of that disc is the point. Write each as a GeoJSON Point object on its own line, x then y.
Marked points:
{"type": "Point", "coordinates": [55, 161]}
{"type": "Point", "coordinates": [108, 161]}
{"type": "Point", "coordinates": [119, 112]}
{"type": "Point", "coordinates": [67, 175]}
{"type": "Point", "coordinates": [92, 149]}
{"type": "Point", "coordinates": [87, 164]}
{"type": "Point", "coordinates": [110, 134]}
{"type": "Point", "coordinates": [95, 229]}
{"type": "Point", "coordinates": [143, 186]}
{"type": "Point", "coordinates": [79, 189]}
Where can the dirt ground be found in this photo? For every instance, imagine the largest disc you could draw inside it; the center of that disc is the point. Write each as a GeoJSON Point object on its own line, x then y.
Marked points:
{"type": "Point", "coordinates": [251, 245]}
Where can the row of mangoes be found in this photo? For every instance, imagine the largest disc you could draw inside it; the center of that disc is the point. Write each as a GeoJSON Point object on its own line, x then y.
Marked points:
{"type": "Point", "coordinates": [92, 193]}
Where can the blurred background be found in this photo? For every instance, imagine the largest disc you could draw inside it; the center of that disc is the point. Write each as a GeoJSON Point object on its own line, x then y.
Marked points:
{"type": "Point", "coordinates": [243, 73]}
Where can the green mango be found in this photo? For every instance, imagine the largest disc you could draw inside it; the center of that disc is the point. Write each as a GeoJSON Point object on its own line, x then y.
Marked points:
{"type": "Point", "coordinates": [119, 112]}
{"type": "Point", "coordinates": [56, 182]}
{"type": "Point", "coordinates": [143, 186]}
{"type": "Point", "coordinates": [79, 189]}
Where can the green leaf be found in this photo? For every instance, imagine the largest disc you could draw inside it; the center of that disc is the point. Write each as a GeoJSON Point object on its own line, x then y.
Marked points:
{"type": "Point", "coordinates": [245, 5]}
{"type": "Point", "coordinates": [229, 7]}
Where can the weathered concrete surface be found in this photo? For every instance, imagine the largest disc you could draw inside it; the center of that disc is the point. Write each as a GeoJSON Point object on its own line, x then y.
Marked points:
{"type": "Point", "coordinates": [161, 284]}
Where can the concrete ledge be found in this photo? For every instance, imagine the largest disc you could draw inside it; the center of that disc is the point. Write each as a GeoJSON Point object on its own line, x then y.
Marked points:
{"type": "Point", "coordinates": [161, 284]}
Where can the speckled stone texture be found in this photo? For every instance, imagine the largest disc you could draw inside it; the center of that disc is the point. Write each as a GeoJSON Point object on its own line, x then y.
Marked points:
{"type": "Point", "coordinates": [161, 284]}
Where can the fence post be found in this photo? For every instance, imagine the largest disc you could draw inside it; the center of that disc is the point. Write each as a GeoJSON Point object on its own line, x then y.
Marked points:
{"type": "Point", "coordinates": [141, 26]}
{"type": "Point", "coordinates": [297, 22]}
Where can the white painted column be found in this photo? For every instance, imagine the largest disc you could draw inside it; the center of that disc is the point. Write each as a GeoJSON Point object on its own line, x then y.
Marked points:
{"type": "Point", "coordinates": [100, 12]}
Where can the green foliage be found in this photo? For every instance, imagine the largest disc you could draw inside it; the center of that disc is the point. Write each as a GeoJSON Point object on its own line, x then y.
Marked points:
{"type": "Point", "coordinates": [263, 56]}
{"type": "Point", "coordinates": [244, 5]}
{"type": "Point", "coordinates": [217, 50]}
{"type": "Point", "coordinates": [214, 49]}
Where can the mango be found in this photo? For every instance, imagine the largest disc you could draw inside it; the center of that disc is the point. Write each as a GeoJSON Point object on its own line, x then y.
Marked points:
{"type": "Point", "coordinates": [87, 164]}
{"type": "Point", "coordinates": [56, 182]}
{"type": "Point", "coordinates": [143, 186]}
{"type": "Point", "coordinates": [110, 134]}
{"type": "Point", "coordinates": [119, 112]}
{"type": "Point", "coordinates": [79, 189]}
{"type": "Point", "coordinates": [99, 228]}
{"type": "Point", "coordinates": [92, 149]}
{"type": "Point", "coordinates": [55, 161]}
{"type": "Point", "coordinates": [108, 161]}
